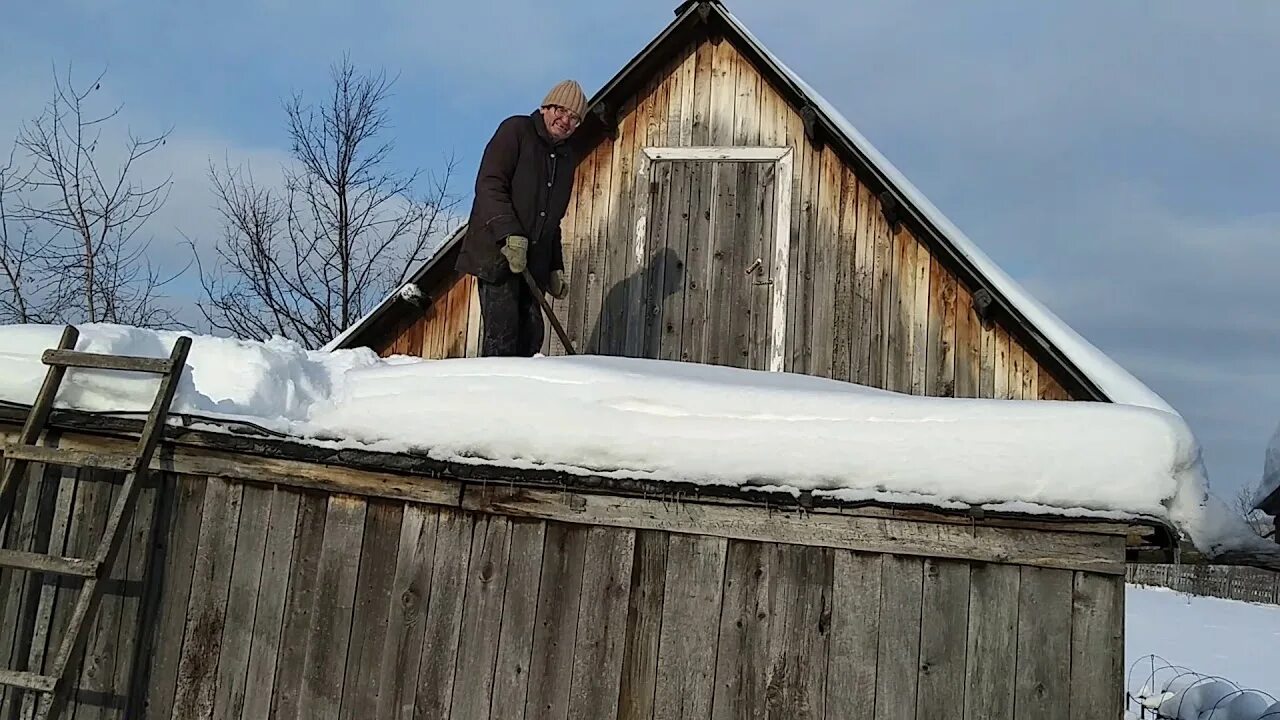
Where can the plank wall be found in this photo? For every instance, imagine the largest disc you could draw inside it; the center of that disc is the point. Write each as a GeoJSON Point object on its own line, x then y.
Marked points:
{"type": "Point", "coordinates": [266, 599]}
{"type": "Point", "coordinates": [864, 303]}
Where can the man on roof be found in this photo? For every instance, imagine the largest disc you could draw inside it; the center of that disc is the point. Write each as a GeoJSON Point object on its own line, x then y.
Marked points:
{"type": "Point", "coordinates": [522, 192]}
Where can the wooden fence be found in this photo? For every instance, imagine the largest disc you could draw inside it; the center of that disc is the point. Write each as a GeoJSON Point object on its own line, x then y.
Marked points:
{"type": "Point", "coordinates": [1230, 582]}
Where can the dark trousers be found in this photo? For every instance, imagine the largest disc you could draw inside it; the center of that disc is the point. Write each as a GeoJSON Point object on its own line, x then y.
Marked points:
{"type": "Point", "coordinates": [512, 319]}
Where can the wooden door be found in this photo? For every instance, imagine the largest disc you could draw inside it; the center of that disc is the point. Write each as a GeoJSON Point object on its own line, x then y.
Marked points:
{"type": "Point", "coordinates": [707, 281]}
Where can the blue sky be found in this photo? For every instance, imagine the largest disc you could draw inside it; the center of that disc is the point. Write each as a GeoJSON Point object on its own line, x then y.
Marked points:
{"type": "Point", "coordinates": [1118, 158]}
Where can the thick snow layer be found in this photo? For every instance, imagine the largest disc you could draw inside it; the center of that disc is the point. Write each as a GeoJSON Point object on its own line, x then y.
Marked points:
{"type": "Point", "coordinates": [1184, 653]}
{"type": "Point", "coordinates": [670, 421]}
{"type": "Point", "coordinates": [1119, 385]}
{"type": "Point", "coordinates": [1270, 470]}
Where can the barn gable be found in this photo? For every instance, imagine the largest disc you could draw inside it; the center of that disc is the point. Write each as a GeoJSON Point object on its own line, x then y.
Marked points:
{"type": "Point", "coordinates": [676, 252]}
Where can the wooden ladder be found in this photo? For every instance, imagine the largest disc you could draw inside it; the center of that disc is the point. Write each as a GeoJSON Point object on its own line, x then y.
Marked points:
{"type": "Point", "coordinates": [94, 570]}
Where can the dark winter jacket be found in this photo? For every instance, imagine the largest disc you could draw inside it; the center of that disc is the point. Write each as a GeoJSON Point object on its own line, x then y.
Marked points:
{"type": "Point", "coordinates": [522, 188]}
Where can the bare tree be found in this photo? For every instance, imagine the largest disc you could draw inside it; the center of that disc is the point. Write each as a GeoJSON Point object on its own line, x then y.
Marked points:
{"type": "Point", "coordinates": [18, 249]}
{"type": "Point", "coordinates": [306, 261]}
{"type": "Point", "coordinates": [71, 247]}
{"type": "Point", "coordinates": [1257, 520]}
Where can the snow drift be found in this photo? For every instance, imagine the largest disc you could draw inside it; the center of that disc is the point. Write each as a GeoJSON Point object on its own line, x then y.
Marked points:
{"type": "Point", "coordinates": [670, 421]}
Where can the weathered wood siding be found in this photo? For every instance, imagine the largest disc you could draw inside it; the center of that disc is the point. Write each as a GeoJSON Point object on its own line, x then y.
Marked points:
{"type": "Point", "coordinates": [449, 326]}
{"type": "Point", "coordinates": [275, 598]}
{"type": "Point", "coordinates": [864, 303]}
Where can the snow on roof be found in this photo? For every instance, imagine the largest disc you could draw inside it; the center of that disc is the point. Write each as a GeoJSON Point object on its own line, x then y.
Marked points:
{"type": "Point", "coordinates": [1117, 383]}
{"type": "Point", "coordinates": [670, 421]}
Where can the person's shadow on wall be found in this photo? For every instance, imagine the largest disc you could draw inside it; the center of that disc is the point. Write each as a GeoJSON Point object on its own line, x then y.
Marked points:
{"type": "Point", "coordinates": [652, 284]}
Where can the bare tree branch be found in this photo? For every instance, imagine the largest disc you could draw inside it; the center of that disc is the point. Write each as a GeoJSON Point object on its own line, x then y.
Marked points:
{"type": "Point", "coordinates": [345, 231]}
{"type": "Point", "coordinates": [78, 259]}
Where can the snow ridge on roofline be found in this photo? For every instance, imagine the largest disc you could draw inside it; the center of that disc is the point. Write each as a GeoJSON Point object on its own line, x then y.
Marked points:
{"type": "Point", "coordinates": [1118, 384]}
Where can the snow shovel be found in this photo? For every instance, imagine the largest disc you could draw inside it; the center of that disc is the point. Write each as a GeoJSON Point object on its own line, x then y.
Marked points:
{"type": "Point", "coordinates": [546, 308]}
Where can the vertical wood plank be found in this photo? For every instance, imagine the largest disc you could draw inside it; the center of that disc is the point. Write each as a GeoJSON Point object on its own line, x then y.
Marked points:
{"type": "Point", "coordinates": [264, 647]}
{"type": "Point", "coordinates": [519, 610]}
{"type": "Point", "coordinates": [742, 661]}
{"type": "Point", "coordinates": [140, 570]}
{"type": "Point", "coordinates": [943, 639]}
{"type": "Point", "coordinates": [1001, 368]}
{"type": "Point", "coordinates": [1030, 377]}
{"type": "Point", "coordinates": [55, 596]}
{"type": "Point", "coordinates": [688, 639]}
{"type": "Point", "coordinates": [206, 612]}
{"type": "Point", "coordinates": [444, 614]}
{"type": "Point", "coordinates": [303, 586]}
{"type": "Point", "coordinates": [617, 245]}
{"type": "Point", "coordinates": [602, 624]}
{"type": "Point", "coordinates": [405, 627]}
{"type": "Point", "coordinates": [644, 620]}
{"type": "Point", "coordinates": [94, 692]}
{"type": "Point", "coordinates": [638, 295]}
{"type": "Point", "coordinates": [556, 628]}
{"type": "Point", "coordinates": [601, 226]}
{"type": "Point", "coordinates": [330, 627]}
{"type": "Point", "coordinates": [726, 183]}
{"type": "Point", "coordinates": [681, 68]}
{"type": "Point", "coordinates": [622, 259]}
{"type": "Point", "coordinates": [695, 333]}
{"type": "Point", "coordinates": [940, 380]}
{"type": "Point", "coordinates": [903, 301]}
{"type": "Point", "coordinates": [242, 601]}
{"type": "Point", "coordinates": [772, 656]}
{"type": "Point", "coordinates": [474, 324]}
{"type": "Point", "coordinates": [864, 287]}
{"type": "Point", "coordinates": [379, 557]}
{"type": "Point", "coordinates": [898, 661]}
{"type": "Point", "coordinates": [1097, 646]}
{"type": "Point", "coordinates": [182, 508]}
{"type": "Point", "coordinates": [12, 583]}
{"type": "Point", "coordinates": [855, 635]}
{"type": "Point", "coordinates": [688, 82]}
{"type": "Point", "coordinates": [920, 320]}
{"type": "Point", "coordinates": [653, 274]}
{"type": "Point", "coordinates": [46, 633]}
{"type": "Point", "coordinates": [579, 238]}
{"type": "Point", "coordinates": [677, 247]}
{"type": "Point", "coordinates": [992, 663]}
{"type": "Point", "coordinates": [762, 237]}
{"type": "Point", "coordinates": [807, 256]}
{"type": "Point", "coordinates": [883, 295]}
{"type": "Point", "coordinates": [33, 516]}
{"type": "Point", "coordinates": [968, 345]}
{"type": "Point", "coordinates": [827, 265]}
{"type": "Point", "coordinates": [1044, 644]}
{"type": "Point", "coordinates": [481, 618]}
{"type": "Point", "coordinates": [1015, 370]}
{"type": "Point", "coordinates": [845, 328]}
{"type": "Point", "coordinates": [987, 372]}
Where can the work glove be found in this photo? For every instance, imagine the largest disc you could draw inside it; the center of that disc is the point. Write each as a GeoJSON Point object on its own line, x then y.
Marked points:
{"type": "Point", "coordinates": [559, 288]}
{"type": "Point", "coordinates": [516, 250]}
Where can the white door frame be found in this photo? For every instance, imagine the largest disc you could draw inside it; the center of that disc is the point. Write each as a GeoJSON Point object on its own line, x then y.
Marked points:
{"type": "Point", "coordinates": [781, 157]}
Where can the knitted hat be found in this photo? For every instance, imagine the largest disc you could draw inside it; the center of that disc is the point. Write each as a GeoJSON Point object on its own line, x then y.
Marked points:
{"type": "Point", "coordinates": [567, 94]}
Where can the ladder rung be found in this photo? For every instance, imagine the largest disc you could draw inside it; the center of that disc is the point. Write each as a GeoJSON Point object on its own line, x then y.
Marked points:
{"type": "Point", "coordinates": [28, 680]}
{"type": "Point", "coordinates": [74, 458]}
{"type": "Point", "coordinates": [74, 567]}
{"type": "Point", "coordinates": [97, 361]}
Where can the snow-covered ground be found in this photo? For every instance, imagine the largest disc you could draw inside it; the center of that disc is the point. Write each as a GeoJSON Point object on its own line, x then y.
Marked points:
{"type": "Point", "coordinates": [1237, 642]}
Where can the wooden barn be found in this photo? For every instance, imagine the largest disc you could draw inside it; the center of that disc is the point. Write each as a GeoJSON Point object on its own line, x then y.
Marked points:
{"type": "Point", "coordinates": [723, 214]}
{"type": "Point", "coordinates": [270, 577]}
